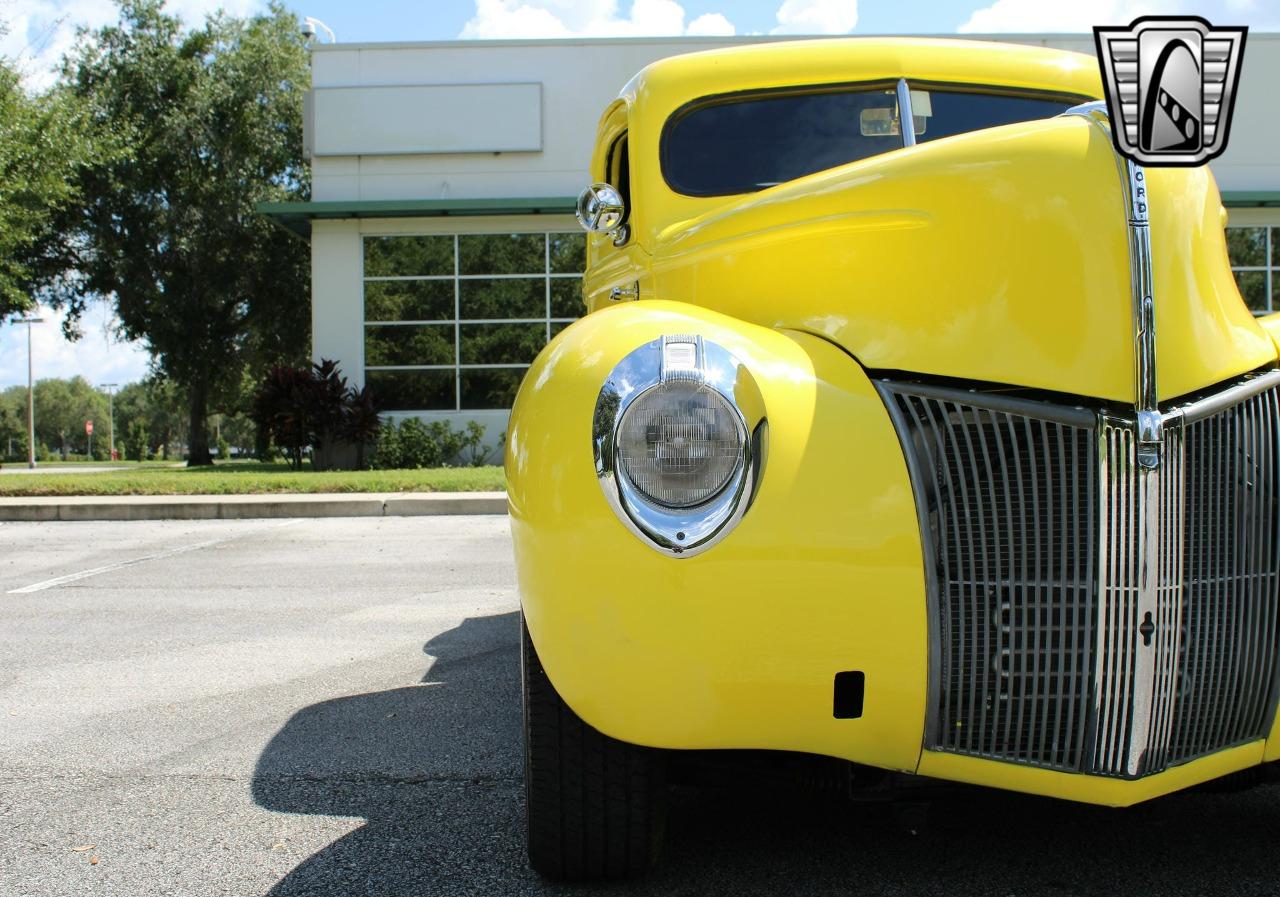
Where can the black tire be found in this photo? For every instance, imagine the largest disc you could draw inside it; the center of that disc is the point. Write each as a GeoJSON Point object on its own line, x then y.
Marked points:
{"type": "Point", "coordinates": [595, 807]}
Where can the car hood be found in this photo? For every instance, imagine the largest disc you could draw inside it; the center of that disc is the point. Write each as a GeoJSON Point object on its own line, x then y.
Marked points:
{"type": "Point", "coordinates": [999, 256]}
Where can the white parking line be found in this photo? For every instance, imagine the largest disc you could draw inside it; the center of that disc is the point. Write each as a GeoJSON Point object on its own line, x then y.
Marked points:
{"type": "Point", "coordinates": [85, 574]}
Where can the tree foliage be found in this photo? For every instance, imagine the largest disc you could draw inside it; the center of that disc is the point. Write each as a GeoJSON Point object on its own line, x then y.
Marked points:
{"type": "Point", "coordinates": [43, 144]}
{"type": "Point", "coordinates": [194, 128]}
{"type": "Point", "coordinates": [154, 407]}
{"type": "Point", "coordinates": [13, 422]}
{"type": "Point", "coordinates": [136, 446]}
{"type": "Point", "coordinates": [62, 407]}
{"type": "Point", "coordinates": [158, 407]}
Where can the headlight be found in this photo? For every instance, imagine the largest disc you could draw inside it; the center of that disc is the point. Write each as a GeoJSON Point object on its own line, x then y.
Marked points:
{"type": "Point", "coordinates": [679, 443]}
{"type": "Point", "coordinates": [678, 436]}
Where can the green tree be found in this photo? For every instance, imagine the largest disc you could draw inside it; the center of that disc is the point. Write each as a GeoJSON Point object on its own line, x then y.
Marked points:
{"type": "Point", "coordinates": [130, 404]}
{"type": "Point", "coordinates": [13, 422]}
{"type": "Point", "coordinates": [62, 407]}
{"type": "Point", "coordinates": [43, 144]}
{"type": "Point", "coordinates": [157, 405]}
{"type": "Point", "coordinates": [136, 447]}
{"type": "Point", "coordinates": [241, 432]}
{"type": "Point", "coordinates": [197, 128]}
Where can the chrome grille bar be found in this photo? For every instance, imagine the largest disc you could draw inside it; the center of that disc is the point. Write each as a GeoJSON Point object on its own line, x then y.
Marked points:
{"type": "Point", "coordinates": [1140, 600]}
{"type": "Point", "coordinates": [1227, 693]}
{"type": "Point", "coordinates": [1090, 612]}
{"type": "Point", "coordinates": [1004, 494]}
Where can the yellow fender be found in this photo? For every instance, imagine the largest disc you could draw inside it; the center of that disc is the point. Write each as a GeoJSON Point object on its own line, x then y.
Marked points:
{"type": "Point", "coordinates": [736, 647]}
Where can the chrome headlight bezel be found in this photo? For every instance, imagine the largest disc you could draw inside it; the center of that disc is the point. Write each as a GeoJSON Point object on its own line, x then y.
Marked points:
{"type": "Point", "coordinates": [679, 532]}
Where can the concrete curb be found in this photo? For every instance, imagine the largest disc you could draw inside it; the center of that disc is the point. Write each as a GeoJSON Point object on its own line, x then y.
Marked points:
{"type": "Point", "coordinates": [241, 507]}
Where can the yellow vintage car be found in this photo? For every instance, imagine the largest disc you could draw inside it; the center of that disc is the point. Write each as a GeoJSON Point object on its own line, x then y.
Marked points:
{"type": "Point", "coordinates": [910, 426]}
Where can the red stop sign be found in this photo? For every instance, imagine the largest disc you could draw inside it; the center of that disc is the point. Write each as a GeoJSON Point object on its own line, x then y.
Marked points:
{"type": "Point", "coordinates": [88, 428]}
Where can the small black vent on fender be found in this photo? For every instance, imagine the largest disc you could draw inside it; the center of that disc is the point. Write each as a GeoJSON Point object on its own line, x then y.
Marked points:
{"type": "Point", "coordinates": [850, 687]}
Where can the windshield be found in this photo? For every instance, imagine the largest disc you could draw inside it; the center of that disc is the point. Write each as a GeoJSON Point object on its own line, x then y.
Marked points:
{"type": "Point", "coordinates": [723, 146]}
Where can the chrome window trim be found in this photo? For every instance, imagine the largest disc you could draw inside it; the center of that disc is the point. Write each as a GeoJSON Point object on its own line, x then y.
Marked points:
{"type": "Point", "coordinates": [684, 532]}
{"type": "Point", "coordinates": [906, 121]}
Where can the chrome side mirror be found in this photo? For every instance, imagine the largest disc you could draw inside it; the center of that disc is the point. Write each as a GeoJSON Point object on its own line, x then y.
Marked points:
{"type": "Point", "coordinates": [601, 209]}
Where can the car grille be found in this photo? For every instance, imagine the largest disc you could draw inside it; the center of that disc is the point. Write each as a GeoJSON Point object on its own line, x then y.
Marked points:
{"type": "Point", "coordinates": [1038, 522]}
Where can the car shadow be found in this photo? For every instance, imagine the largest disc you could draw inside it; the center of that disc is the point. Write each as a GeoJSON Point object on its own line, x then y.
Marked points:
{"type": "Point", "coordinates": [433, 772]}
{"type": "Point", "coordinates": [433, 769]}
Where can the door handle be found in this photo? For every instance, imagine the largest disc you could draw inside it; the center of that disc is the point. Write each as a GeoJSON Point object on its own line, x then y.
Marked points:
{"type": "Point", "coordinates": [624, 294]}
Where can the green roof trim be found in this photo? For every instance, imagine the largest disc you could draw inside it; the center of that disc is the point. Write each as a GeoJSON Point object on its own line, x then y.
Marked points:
{"type": "Point", "coordinates": [297, 216]}
{"type": "Point", "coordinates": [1245, 198]}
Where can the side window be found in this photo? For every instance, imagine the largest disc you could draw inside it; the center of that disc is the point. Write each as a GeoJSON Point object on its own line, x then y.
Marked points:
{"type": "Point", "coordinates": [951, 112]}
{"type": "Point", "coordinates": [720, 147]}
{"type": "Point", "coordinates": [618, 169]}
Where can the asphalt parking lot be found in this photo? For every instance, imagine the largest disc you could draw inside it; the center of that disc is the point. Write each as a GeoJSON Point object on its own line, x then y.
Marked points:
{"type": "Point", "coordinates": [330, 707]}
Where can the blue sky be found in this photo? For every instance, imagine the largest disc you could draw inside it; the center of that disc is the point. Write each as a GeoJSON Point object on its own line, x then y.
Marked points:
{"type": "Point", "coordinates": [377, 20]}
{"type": "Point", "coordinates": [39, 31]}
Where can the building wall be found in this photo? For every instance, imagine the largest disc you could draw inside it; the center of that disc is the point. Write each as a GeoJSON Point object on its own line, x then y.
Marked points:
{"type": "Point", "coordinates": [337, 303]}
{"type": "Point", "coordinates": [578, 80]}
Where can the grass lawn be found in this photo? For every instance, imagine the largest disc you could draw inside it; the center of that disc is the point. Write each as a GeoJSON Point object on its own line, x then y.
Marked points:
{"type": "Point", "coordinates": [239, 478]}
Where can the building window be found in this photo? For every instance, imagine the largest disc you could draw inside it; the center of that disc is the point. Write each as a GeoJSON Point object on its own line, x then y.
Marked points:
{"type": "Point", "coordinates": [1255, 261]}
{"type": "Point", "coordinates": [452, 322]}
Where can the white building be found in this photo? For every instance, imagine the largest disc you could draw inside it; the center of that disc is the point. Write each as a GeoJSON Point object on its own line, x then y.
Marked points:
{"type": "Point", "coordinates": [444, 249]}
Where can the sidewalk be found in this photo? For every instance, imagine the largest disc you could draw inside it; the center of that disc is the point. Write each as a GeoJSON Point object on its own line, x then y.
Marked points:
{"type": "Point", "coordinates": [234, 507]}
{"type": "Point", "coordinates": [17, 468]}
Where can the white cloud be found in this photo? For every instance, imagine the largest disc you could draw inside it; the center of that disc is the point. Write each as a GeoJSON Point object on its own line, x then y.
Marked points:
{"type": "Point", "coordinates": [500, 18]}
{"type": "Point", "coordinates": [817, 17]}
{"type": "Point", "coordinates": [711, 24]}
{"type": "Point", "coordinates": [1036, 15]}
{"type": "Point", "coordinates": [97, 356]}
{"type": "Point", "coordinates": [1022, 16]}
{"type": "Point", "coordinates": [495, 19]}
{"type": "Point", "coordinates": [41, 31]}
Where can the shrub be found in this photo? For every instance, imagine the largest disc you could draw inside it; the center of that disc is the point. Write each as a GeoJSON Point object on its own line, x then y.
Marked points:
{"type": "Point", "coordinates": [224, 449]}
{"type": "Point", "coordinates": [448, 443]}
{"type": "Point", "coordinates": [282, 407]}
{"type": "Point", "coordinates": [361, 423]}
{"type": "Point", "coordinates": [328, 400]}
{"type": "Point", "coordinates": [414, 444]}
{"type": "Point", "coordinates": [474, 450]}
{"type": "Point", "coordinates": [389, 453]}
{"type": "Point", "coordinates": [313, 406]}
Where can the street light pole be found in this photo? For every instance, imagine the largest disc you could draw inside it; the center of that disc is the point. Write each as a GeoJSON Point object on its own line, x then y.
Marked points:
{"type": "Point", "coordinates": [31, 401]}
{"type": "Point", "coordinates": [111, 419]}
